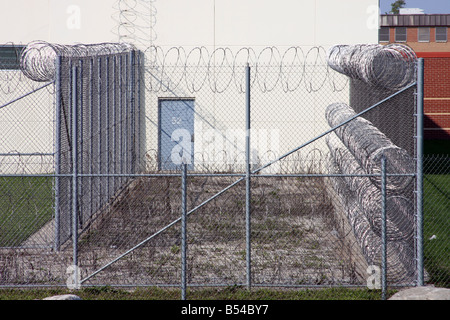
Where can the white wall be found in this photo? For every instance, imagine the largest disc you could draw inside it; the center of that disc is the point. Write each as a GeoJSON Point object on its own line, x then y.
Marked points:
{"type": "Point", "coordinates": [290, 119]}
{"type": "Point", "coordinates": [196, 22]}
{"type": "Point", "coordinates": [256, 24]}
{"type": "Point", "coordinates": [61, 21]}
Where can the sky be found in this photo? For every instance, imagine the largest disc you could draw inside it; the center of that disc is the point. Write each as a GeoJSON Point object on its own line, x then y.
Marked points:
{"type": "Point", "coordinates": [428, 6]}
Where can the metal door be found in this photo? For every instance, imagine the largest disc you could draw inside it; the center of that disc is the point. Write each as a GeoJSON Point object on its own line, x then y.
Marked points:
{"type": "Point", "coordinates": [176, 133]}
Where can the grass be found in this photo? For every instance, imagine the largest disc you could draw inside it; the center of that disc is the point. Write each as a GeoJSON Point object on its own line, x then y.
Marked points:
{"type": "Point", "coordinates": [26, 205]}
{"type": "Point", "coordinates": [227, 293]}
{"type": "Point", "coordinates": [437, 213]}
{"type": "Point", "coordinates": [437, 228]}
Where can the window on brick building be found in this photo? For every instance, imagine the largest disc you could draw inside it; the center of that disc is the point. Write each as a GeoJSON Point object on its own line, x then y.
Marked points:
{"type": "Point", "coordinates": [383, 34]}
{"type": "Point", "coordinates": [424, 35]}
{"type": "Point", "coordinates": [400, 34]}
{"type": "Point", "coordinates": [441, 34]}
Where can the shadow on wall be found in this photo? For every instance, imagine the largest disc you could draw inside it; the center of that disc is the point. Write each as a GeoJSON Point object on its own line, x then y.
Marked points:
{"type": "Point", "coordinates": [431, 136]}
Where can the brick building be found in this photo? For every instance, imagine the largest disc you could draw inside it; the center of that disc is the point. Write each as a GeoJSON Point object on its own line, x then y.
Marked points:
{"type": "Point", "coordinates": [428, 35]}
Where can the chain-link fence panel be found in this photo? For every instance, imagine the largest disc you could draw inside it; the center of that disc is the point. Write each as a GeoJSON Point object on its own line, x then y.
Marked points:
{"type": "Point", "coordinates": [436, 222]}
{"type": "Point", "coordinates": [65, 113]}
{"type": "Point", "coordinates": [381, 212]}
{"type": "Point", "coordinates": [101, 93]}
{"type": "Point", "coordinates": [323, 195]}
{"type": "Point", "coordinates": [26, 110]}
{"type": "Point", "coordinates": [26, 150]}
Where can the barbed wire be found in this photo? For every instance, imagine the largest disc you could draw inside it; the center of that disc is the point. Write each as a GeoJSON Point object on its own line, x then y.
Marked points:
{"type": "Point", "coordinates": [222, 69]}
{"type": "Point", "coordinates": [355, 152]}
{"type": "Point", "coordinates": [400, 221]}
{"type": "Point", "coordinates": [197, 68]}
{"type": "Point", "coordinates": [38, 59]}
{"type": "Point", "coordinates": [12, 80]}
{"type": "Point", "coordinates": [15, 162]}
{"type": "Point", "coordinates": [234, 161]}
{"type": "Point", "coordinates": [389, 66]}
{"type": "Point", "coordinates": [136, 20]}
{"type": "Point", "coordinates": [368, 144]}
{"type": "Point", "coordinates": [400, 255]}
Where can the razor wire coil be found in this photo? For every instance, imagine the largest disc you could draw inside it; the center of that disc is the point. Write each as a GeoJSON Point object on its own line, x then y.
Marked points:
{"type": "Point", "coordinates": [136, 20]}
{"type": "Point", "coordinates": [38, 59]}
{"type": "Point", "coordinates": [391, 66]}
{"type": "Point", "coordinates": [368, 144]}
{"type": "Point", "coordinates": [366, 228]}
{"type": "Point", "coordinates": [222, 69]}
{"type": "Point", "coordinates": [198, 68]}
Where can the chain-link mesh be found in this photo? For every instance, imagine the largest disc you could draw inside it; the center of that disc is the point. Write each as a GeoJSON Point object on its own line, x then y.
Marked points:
{"type": "Point", "coordinates": [316, 194]}
{"type": "Point", "coordinates": [436, 222]}
{"type": "Point", "coordinates": [26, 111]}
{"type": "Point", "coordinates": [108, 129]}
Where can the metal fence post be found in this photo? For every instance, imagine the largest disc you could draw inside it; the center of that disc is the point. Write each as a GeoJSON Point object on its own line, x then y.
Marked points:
{"type": "Point", "coordinates": [91, 133]}
{"type": "Point", "coordinates": [57, 151]}
{"type": "Point", "coordinates": [419, 164]}
{"type": "Point", "coordinates": [120, 125]}
{"type": "Point", "coordinates": [183, 231]}
{"type": "Point", "coordinates": [126, 116]}
{"type": "Point", "coordinates": [383, 229]}
{"type": "Point", "coordinates": [114, 123]}
{"type": "Point", "coordinates": [80, 136]}
{"type": "Point", "coordinates": [99, 131]}
{"type": "Point", "coordinates": [107, 130]}
{"type": "Point", "coordinates": [75, 171]}
{"type": "Point", "coordinates": [132, 93]}
{"type": "Point", "coordinates": [139, 104]}
{"type": "Point", "coordinates": [248, 178]}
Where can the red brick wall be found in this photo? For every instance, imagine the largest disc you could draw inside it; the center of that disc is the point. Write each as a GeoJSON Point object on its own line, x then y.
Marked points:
{"type": "Point", "coordinates": [437, 81]}
{"type": "Point", "coordinates": [437, 96]}
{"type": "Point", "coordinates": [412, 34]}
{"type": "Point", "coordinates": [412, 40]}
{"type": "Point", "coordinates": [437, 77]}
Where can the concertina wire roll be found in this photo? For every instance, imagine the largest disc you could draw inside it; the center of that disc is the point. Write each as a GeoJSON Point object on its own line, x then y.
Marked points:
{"type": "Point", "coordinates": [400, 254]}
{"type": "Point", "coordinates": [38, 59]}
{"type": "Point", "coordinates": [391, 66]}
{"type": "Point", "coordinates": [400, 218]}
{"type": "Point", "coordinates": [368, 144]}
{"type": "Point", "coordinates": [356, 150]}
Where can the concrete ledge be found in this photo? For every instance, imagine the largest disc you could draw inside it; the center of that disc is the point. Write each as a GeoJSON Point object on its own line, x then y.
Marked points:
{"type": "Point", "coordinates": [422, 293]}
{"type": "Point", "coordinates": [63, 297]}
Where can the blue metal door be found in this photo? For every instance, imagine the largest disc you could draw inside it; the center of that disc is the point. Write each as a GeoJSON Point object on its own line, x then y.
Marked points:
{"type": "Point", "coordinates": [176, 133]}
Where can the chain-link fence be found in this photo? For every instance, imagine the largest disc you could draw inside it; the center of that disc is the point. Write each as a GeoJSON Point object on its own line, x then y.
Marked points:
{"type": "Point", "coordinates": [436, 222]}
{"type": "Point", "coordinates": [26, 148]}
{"type": "Point", "coordinates": [300, 171]}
